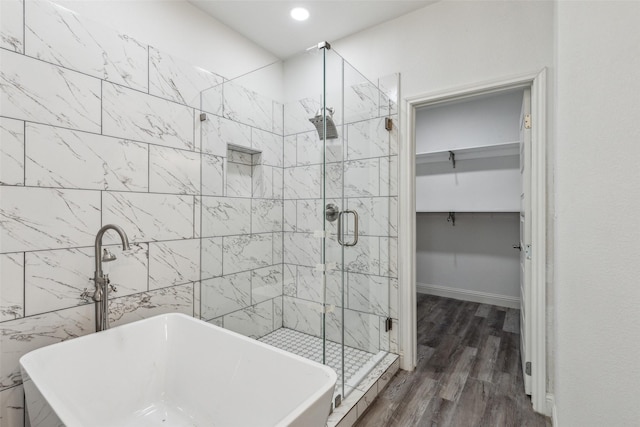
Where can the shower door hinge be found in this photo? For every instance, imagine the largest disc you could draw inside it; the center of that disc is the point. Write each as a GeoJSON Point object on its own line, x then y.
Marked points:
{"type": "Point", "coordinates": [527, 121]}
{"type": "Point", "coordinates": [527, 251]}
{"type": "Point", "coordinates": [388, 124]}
{"type": "Point", "coordinates": [527, 368]}
{"type": "Point", "coordinates": [388, 324]}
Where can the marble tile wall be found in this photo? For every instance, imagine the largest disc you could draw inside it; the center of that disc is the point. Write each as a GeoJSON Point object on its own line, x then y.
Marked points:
{"type": "Point", "coordinates": [96, 128]}
{"type": "Point", "coordinates": [361, 174]}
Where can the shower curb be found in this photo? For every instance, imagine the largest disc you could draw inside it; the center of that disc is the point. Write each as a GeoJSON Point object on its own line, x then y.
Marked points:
{"type": "Point", "coordinates": [354, 406]}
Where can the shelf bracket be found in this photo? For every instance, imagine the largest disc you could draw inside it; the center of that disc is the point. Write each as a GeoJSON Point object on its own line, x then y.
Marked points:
{"type": "Point", "coordinates": [452, 218]}
{"type": "Point", "coordinates": [452, 157]}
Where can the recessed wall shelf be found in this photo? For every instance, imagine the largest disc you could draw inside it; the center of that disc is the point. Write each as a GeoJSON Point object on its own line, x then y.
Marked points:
{"type": "Point", "coordinates": [243, 149]}
{"type": "Point", "coordinates": [496, 150]}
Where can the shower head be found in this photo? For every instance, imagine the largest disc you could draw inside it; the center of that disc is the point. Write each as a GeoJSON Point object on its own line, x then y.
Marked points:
{"type": "Point", "coordinates": [319, 123]}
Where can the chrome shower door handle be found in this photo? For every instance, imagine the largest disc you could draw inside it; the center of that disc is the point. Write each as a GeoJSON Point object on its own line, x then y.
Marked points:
{"type": "Point", "coordinates": [355, 228]}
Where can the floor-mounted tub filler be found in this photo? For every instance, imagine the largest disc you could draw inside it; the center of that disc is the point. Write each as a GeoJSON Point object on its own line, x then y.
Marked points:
{"type": "Point", "coordinates": [173, 370]}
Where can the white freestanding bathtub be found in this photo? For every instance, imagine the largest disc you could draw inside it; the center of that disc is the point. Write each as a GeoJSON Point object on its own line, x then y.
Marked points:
{"type": "Point", "coordinates": [173, 370]}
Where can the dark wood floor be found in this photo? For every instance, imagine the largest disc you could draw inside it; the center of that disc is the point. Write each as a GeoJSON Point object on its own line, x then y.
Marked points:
{"type": "Point", "coordinates": [468, 372]}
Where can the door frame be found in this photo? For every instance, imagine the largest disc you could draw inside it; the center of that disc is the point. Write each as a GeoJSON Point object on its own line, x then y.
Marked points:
{"type": "Point", "coordinates": [407, 338]}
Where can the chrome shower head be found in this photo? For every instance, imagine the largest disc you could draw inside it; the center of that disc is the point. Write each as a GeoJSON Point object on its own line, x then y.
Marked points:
{"type": "Point", "coordinates": [319, 123]}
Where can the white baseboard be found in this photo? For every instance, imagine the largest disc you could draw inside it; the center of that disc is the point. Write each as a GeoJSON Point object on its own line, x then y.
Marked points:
{"type": "Point", "coordinates": [468, 295]}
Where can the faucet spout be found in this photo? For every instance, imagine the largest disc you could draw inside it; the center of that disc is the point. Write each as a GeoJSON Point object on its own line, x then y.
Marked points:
{"type": "Point", "coordinates": [101, 280]}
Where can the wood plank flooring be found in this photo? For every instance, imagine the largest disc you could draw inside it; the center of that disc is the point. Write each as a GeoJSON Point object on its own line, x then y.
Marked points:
{"type": "Point", "coordinates": [468, 372]}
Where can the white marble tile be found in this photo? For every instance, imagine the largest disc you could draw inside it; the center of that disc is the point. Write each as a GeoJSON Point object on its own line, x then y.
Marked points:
{"type": "Point", "coordinates": [238, 180]}
{"type": "Point", "coordinates": [389, 256]}
{"type": "Point", "coordinates": [368, 293]}
{"type": "Point", "coordinates": [262, 181]}
{"type": "Point", "coordinates": [197, 216]}
{"type": "Point", "coordinates": [389, 176]}
{"type": "Point", "coordinates": [278, 248]}
{"type": "Point", "coordinates": [18, 337]}
{"type": "Point", "coordinates": [134, 115]}
{"type": "Point", "coordinates": [335, 149]}
{"type": "Point", "coordinates": [290, 277]}
{"type": "Point", "coordinates": [373, 215]}
{"type": "Point", "coordinates": [362, 331]}
{"type": "Point", "coordinates": [12, 406]}
{"type": "Point", "coordinates": [393, 297]}
{"type": "Point", "coordinates": [247, 252]}
{"type": "Point", "coordinates": [11, 151]}
{"type": "Point", "coordinates": [55, 279]}
{"type": "Point", "coordinates": [309, 284]}
{"type": "Point", "coordinates": [224, 216]}
{"type": "Point", "coordinates": [270, 146]}
{"type": "Point", "coordinates": [57, 157]}
{"type": "Point", "coordinates": [362, 178]}
{"type": "Point", "coordinates": [147, 217]}
{"type": "Point", "coordinates": [277, 313]}
{"type": "Point", "coordinates": [361, 97]}
{"type": "Point", "coordinates": [389, 90]}
{"type": "Point", "coordinates": [219, 321]}
{"type": "Point", "coordinates": [289, 215]}
{"type": "Point", "coordinates": [173, 171]}
{"type": "Point", "coordinates": [42, 218]}
{"type": "Point", "coordinates": [335, 180]}
{"type": "Point", "coordinates": [289, 159]}
{"type": "Point", "coordinates": [248, 107]}
{"type": "Point", "coordinates": [211, 257]}
{"type": "Point", "coordinates": [60, 36]}
{"type": "Point", "coordinates": [367, 400]}
{"type": "Point", "coordinates": [266, 283]}
{"type": "Point", "coordinates": [11, 25]}
{"type": "Point", "coordinates": [176, 299]}
{"type": "Point", "coordinates": [212, 175]}
{"type": "Point", "coordinates": [173, 262]}
{"type": "Point", "coordinates": [363, 257]}
{"type": "Point", "coordinates": [302, 316]}
{"type": "Point", "coordinates": [240, 156]}
{"type": "Point", "coordinates": [302, 249]}
{"type": "Point", "coordinates": [254, 322]}
{"type": "Point", "coordinates": [196, 299]}
{"type": "Point", "coordinates": [266, 215]}
{"type": "Point", "coordinates": [177, 80]}
{"type": "Point", "coordinates": [278, 183]}
{"type": "Point", "coordinates": [65, 98]}
{"type": "Point", "coordinates": [298, 113]}
{"type": "Point", "coordinates": [223, 295]}
{"type": "Point", "coordinates": [394, 136]}
{"type": "Point", "coordinates": [11, 286]}
{"type": "Point", "coordinates": [303, 182]}
{"type": "Point", "coordinates": [393, 216]}
{"type": "Point", "coordinates": [367, 139]}
{"type": "Point", "coordinates": [309, 149]}
{"type": "Point", "coordinates": [211, 100]}
{"type": "Point", "coordinates": [218, 132]}
{"type": "Point", "coordinates": [278, 118]}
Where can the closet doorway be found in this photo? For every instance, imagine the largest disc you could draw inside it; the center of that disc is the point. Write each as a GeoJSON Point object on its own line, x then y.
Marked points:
{"type": "Point", "coordinates": [495, 178]}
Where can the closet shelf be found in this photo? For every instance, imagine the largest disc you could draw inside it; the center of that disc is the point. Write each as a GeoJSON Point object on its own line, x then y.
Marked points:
{"type": "Point", "coordinates": [496, 150]}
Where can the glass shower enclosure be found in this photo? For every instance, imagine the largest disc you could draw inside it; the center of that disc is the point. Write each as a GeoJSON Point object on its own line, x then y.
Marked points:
{"type": "Point", "coordinates": [298, 210]}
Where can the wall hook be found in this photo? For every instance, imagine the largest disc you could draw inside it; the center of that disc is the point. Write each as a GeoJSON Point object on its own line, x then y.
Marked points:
{"type": "Point", "coordinates": [452, 218]}
{"type": "Point", "coordinates": [452, 157]}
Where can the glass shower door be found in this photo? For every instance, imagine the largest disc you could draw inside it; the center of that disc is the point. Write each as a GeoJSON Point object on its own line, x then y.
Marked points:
{"type": "Point", "coordinates": [356, 221]}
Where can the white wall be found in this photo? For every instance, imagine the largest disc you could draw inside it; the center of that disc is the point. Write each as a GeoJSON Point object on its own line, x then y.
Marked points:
{"type": "Point", "coordinates": [474, 255]}
{"type": "Point", "coordinates": [180, 29]}
{"type": "Point", "coordinates": [456, 43]}
{"type": "Point", "coordinates": [452, 43]}
{"type": "Point", "coordinates": [598, 200]}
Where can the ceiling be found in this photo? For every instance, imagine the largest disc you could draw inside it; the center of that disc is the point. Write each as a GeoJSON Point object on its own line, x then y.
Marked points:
{"type": "Point", "coordinates": [268, 24]}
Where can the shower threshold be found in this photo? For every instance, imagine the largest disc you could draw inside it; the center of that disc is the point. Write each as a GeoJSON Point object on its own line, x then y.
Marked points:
{"type": "Point", "coordinates": [365, 373]}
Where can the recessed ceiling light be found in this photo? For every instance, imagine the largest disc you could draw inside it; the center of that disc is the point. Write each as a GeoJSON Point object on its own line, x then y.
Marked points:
{"type": "Point", "coordinates": [299, 13]}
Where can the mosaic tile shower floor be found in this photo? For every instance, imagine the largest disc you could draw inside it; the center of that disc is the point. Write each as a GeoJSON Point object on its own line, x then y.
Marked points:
{"type": "Point", "coordinates": [355, 361]}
